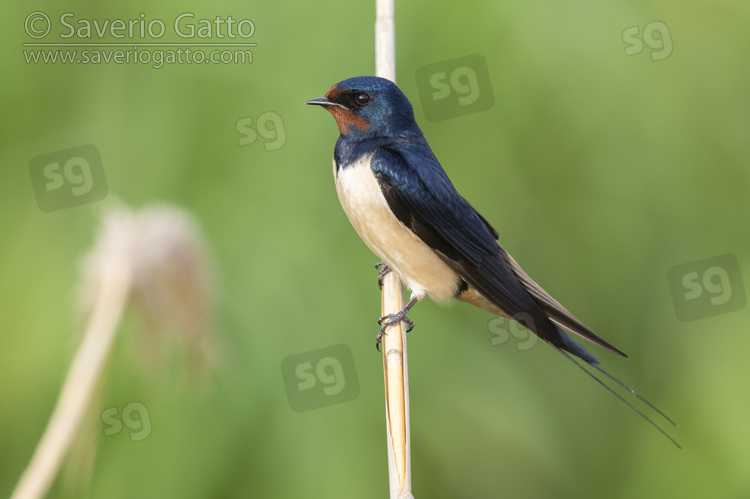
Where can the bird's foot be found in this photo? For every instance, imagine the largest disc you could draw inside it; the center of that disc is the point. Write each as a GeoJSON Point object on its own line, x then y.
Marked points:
{"type": "Point", "coordinates": [393, 319]}
{"type": "Point", "coordinates": [383, 271]}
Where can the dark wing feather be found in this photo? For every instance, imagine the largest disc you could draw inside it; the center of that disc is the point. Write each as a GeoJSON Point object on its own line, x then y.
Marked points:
{"type": "Point", "coordinates": [426, 202]}
{"type": "Point", "coordinates": [554, 310]}
{"type": "Point", "coordinates": [423, 198]}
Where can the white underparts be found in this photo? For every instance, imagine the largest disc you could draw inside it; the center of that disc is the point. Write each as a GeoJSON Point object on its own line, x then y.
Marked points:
{"type": "Point", "coordinates": [397, 246]}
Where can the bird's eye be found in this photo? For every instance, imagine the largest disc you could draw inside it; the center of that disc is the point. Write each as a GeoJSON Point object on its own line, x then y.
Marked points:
{"type": "Point", "coordinates": [362, 99]}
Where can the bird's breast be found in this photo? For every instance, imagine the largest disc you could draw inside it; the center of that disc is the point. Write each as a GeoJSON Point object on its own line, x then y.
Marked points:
{"type": "Point", "coordinates": [423, 271]}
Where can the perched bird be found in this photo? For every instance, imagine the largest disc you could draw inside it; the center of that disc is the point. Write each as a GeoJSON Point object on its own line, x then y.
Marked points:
{"type": "Point", "coordinates": [405, 208]}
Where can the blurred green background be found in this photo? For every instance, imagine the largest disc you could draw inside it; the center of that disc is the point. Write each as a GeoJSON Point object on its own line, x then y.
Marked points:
{"type": "Point", "coordinates": [601, 171]}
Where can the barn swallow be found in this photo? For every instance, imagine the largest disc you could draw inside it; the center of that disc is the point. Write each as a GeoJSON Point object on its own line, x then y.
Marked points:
{"type": "Point", "coordinates": [406, 210]}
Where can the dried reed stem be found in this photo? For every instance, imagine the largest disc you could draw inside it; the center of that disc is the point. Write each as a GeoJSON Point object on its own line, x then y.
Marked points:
{"type": "Point", "coordinates": [83, 375]}
{"type": "Point", "coordinates": [395, 366]}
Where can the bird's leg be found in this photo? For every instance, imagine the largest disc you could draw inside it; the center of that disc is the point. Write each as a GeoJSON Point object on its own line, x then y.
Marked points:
{"type": "Point", "coordinates": [384, 269]}
{"type": "Point", "coordinates": [392, 319]}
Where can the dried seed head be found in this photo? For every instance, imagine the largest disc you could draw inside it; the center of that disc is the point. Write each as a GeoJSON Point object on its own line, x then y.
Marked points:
{"type": "Point", "coordinates": [163, 252]}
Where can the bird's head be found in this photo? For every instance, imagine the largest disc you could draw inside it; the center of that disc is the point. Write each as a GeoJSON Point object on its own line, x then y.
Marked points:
{"type": "Point", "coordinates": [368, 106]}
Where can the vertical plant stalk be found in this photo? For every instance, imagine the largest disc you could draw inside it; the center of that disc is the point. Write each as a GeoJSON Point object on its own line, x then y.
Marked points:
{"type": "Point", "coordinates": [83, 375]}
{"type": "Point", "coordinates": [385, 40]}
{"type": "Point", "coordinates": [396, 375]}
{"type": "Point", "coordinates": [395, 366]}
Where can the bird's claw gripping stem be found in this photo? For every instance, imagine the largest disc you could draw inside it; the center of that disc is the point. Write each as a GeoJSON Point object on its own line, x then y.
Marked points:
{"type": "Point", "coordinates": [393, 319]}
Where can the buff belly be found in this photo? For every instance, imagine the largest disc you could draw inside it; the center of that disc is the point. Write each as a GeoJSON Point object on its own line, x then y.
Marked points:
{"type": "Point", "coordinates": [418, 266]}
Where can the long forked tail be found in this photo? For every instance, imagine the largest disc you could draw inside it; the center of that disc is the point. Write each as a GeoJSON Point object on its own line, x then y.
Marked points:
{"type": "Point", "coordinates": [626, 402]}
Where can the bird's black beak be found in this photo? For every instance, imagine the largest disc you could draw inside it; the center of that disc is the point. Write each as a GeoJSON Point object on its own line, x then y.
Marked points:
{"type": "Point", "coordinates": [323, 101]}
